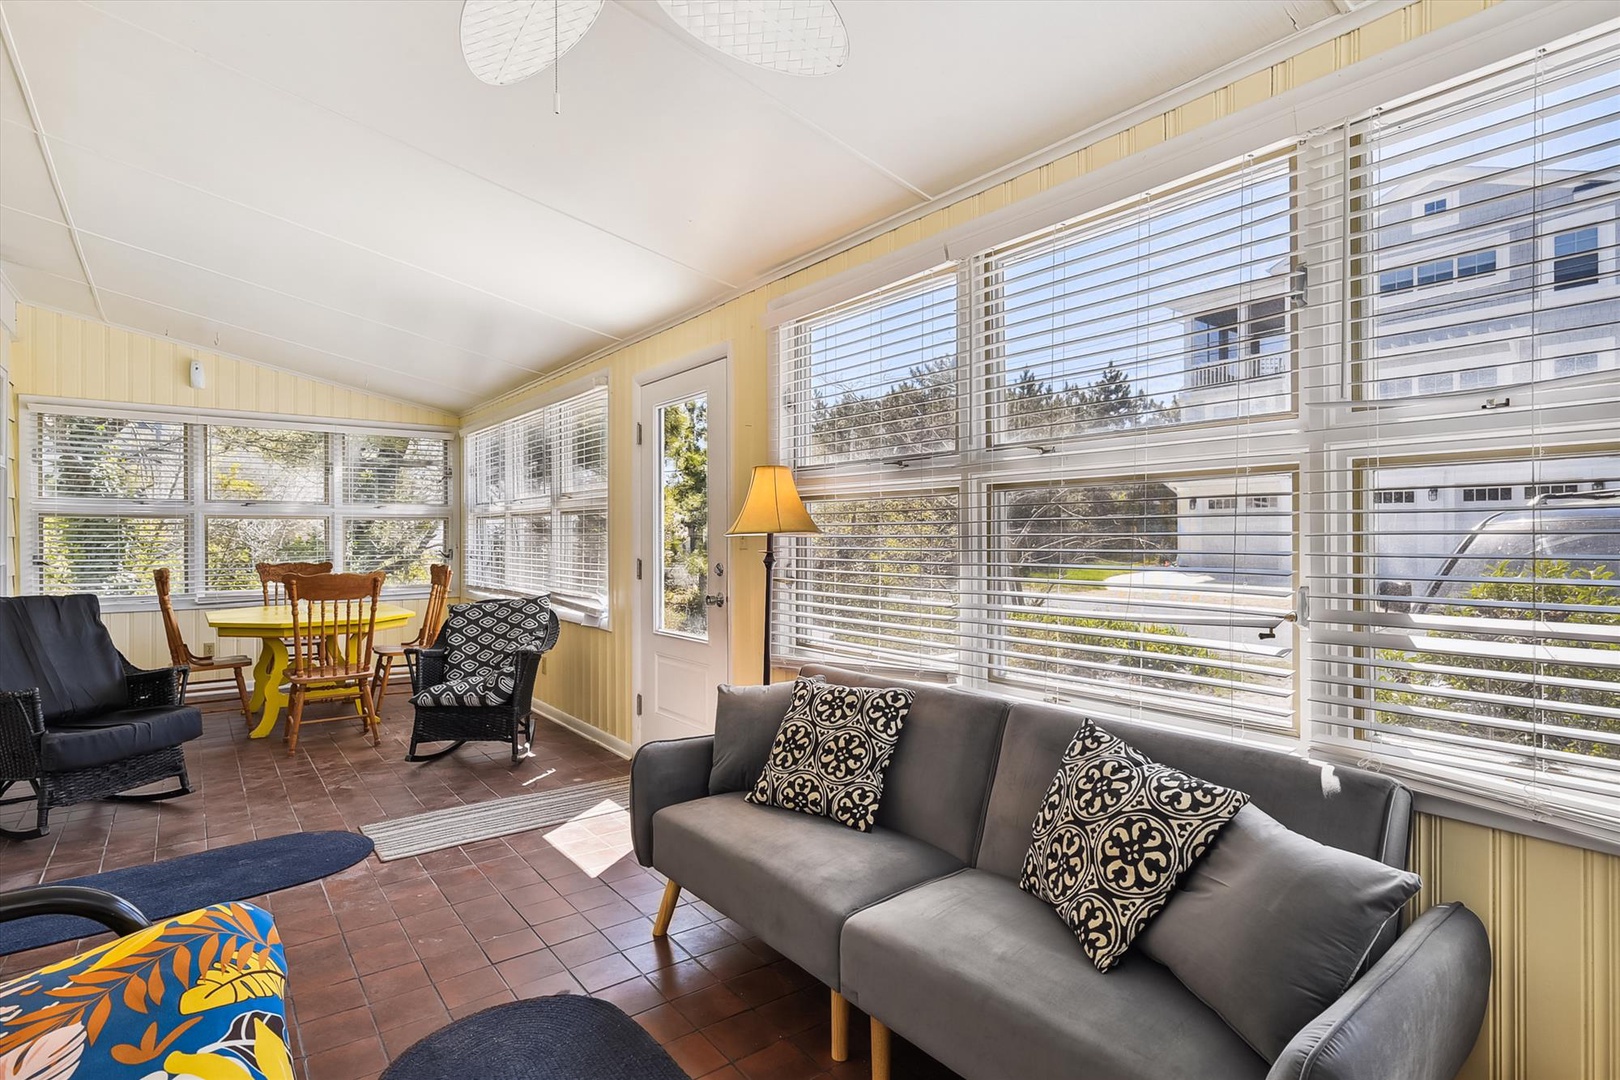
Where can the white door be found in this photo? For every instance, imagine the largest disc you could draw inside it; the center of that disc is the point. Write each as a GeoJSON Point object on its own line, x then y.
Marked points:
{"type": "Point", "coordinates": [681, 488]}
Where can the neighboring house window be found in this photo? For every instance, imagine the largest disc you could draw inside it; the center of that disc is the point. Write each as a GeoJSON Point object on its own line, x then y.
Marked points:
{"type": "Point", "coordinates": [1059, 468]}
{"type": "Point", "coordinates": [536, 506]}
{"type": "Point", "coordinates": [1433, 206]}
{"type": "Point", "coordinates": [115, 494]}
{"type": "Point", "coordinates": [1575, 258]}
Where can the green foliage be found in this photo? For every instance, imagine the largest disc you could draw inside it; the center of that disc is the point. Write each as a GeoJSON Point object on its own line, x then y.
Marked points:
{"type": "Point", "coordinates": [1548, 590]}
{"type": "Point", "coordinates": [686, 516]}
{"type": "Point", "coordinates": [1042, 410]}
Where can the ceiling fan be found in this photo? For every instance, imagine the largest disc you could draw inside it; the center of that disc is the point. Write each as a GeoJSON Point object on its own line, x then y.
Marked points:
{"type": "Point", "coordinates": [507, 41]}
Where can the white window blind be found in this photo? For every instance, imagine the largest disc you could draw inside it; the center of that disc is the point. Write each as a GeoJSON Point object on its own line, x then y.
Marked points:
{"type": "Point", "coordinates": [537, 505]}
{"type": "Point", "coordinates": [1365, 380]}
{"type": "Point", "coordinates": [114, 494]}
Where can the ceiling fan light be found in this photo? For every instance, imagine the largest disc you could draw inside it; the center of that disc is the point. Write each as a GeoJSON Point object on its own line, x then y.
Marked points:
{"type": "Point", "coordinates": [506, 41]}
{"type": "Point", "coordinates": [799, 37]}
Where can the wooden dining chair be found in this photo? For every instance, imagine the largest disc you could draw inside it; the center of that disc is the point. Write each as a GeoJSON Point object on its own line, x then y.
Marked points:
{"type": "Point", "coordinates": [337, 608]}
{"type": "Point", "coordinates": [426, 634]}
{"type": "Point", "coordinates": [180, 654]}
{"type": "Point", "coordinates": [273, 578]}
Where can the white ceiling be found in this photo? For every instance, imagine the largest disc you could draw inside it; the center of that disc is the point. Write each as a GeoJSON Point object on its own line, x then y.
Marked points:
{"type": "Point", "coordinates": [327, 188]}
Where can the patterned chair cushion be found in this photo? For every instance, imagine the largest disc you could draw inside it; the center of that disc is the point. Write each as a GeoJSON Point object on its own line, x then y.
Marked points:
{"type": "Point", "coordinates": [199, 995]}
{"type": "Point", "coordinates": [479, 641]}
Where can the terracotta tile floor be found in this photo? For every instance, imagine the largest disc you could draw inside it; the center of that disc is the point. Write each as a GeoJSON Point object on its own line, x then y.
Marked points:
{"type": "Point", "coordinates": [384, 953]}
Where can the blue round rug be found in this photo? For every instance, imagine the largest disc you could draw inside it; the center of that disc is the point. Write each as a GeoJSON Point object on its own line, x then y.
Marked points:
{"type": "Point", "coordinates": [176, 886]}
{"type": "Point", "coordinates": [567, 1037]}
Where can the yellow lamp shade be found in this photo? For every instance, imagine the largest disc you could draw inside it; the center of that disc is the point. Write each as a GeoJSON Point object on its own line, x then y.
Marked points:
{"type": "Point", "coordinates": [772, 506]}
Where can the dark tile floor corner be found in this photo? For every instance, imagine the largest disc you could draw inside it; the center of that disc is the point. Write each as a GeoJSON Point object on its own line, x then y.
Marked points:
{"type": "Point", "coordinates": [384, 953]}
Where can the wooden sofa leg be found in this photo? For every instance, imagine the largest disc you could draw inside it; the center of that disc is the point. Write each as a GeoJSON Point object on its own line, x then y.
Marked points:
{"type": "Point", "coordinates": [840, 1027]}
{"type": "Point", "coordinates": [666, 908]}
{"type": "Point", "coordinates": [880, 1050]}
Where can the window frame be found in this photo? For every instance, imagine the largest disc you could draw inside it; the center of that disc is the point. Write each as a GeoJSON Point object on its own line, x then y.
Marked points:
{"type": "Point", "coordinates": [560, 501]}
{"type": "Point", "coordinates": [336, 512]}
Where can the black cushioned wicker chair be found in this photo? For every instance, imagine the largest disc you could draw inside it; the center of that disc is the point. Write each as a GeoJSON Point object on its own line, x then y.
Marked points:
{"type": "Point", "coordinates": [477, 682]}
{"type": "Point", "coordinates": [78, 721]}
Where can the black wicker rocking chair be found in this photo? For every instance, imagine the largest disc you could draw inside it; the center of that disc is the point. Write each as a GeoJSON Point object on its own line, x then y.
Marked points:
{"type": "Point", "coordinates": [476, 684]}
{"type": "Point", "coordinates": [77, 720]}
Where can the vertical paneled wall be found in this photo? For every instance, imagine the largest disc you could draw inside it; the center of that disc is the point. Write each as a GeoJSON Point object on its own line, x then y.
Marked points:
{"type": "Point", "coordinates": [1553, 913]}
{"type": "Point", "coordinates": [58, 355]}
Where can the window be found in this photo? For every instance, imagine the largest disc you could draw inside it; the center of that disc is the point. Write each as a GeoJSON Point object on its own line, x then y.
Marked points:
{"type": "Point", "coordinates": [114, 495]}
{"type": "Point", "coordinates": [1575, 258]}
{"type": "Point", "coordinates": [536, 498]}
{"type": "Point", "coordinates": [1152, 426]}
{"type": "Point", "coordinates": [1476, 263]}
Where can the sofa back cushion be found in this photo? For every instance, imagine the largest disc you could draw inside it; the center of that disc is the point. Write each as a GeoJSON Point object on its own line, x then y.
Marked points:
{"type": "Point", "coordinates": [58, 645]}
{"type": "Point", "coordinates": [936, 786]}
{"type": "Point", "coordinates": [746, 719]}
{"type": "Point", "coordinates": [1341, 807]}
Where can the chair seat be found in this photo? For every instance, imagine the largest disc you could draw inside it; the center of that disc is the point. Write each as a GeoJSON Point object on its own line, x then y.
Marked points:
{"type": "Point", "coordinates": [388, 650]}
{"type": "Point", "coordinates": [469, 691]}
{"type": "Point", "coordinates": [214, 663]}
{"type": "Point", "coordinates": [1006, 990]}
{"type": "Point", "coordinates": [102, 740]}
{"type": "Point", "coordinates": [791, 878]}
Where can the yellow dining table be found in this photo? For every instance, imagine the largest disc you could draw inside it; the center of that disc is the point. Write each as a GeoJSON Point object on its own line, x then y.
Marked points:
{"type": "Point", "coordinates": [272, 623]}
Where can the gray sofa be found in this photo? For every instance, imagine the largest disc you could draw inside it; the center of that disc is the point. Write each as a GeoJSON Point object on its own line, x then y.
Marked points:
{"type": "Point", "coordinates": [921, 924]}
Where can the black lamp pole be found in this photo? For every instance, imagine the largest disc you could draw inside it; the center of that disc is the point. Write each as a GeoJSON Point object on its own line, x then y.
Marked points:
{"type": "Point", "coordinates": [770, 565]}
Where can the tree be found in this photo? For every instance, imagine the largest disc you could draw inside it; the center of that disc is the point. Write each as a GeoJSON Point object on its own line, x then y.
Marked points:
{"type": "Point", "coordinates": [686, 516]}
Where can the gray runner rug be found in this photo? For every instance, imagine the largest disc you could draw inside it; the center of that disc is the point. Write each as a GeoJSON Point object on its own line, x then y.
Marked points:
{"type": "Point", "coordinates": [401, 838]}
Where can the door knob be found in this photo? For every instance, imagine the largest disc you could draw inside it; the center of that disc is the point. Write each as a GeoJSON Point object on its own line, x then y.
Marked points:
{"type": "Point", "coordinates": [714, 600]}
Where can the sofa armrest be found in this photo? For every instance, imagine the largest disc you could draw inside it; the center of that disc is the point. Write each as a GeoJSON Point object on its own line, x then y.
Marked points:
{"type": "Point", "coordinates": [663, 774]}
{"type": "Point", "coordinates": [159, 686]}
{"type": "Point", "coordinates": [1413, 1016]}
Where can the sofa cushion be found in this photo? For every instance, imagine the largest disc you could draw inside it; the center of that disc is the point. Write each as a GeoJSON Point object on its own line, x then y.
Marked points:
{"type": "Point", "coordinates": [829, 756]}
{"type": "Point", "coordinates": [1114, 835]}
{"type": "Point", "coordinates": [745, 722]}
{"type": "Point", "coordinates": [1334, 805]}
{"type": "Point", "coordinates": [988, 981]}
{"type": "Point", "coordinates": [790, 878]}
{"type": "Point", "coordinates": [1270, 928]}
{"type": "Point", "coordinates": [57, 645]}
{"type": "Point", "coordinates": [88, 742]}
{"type": "Point", "coordinates": [936, 786]}
{"type": "Point", "coordinates": [480, 691]}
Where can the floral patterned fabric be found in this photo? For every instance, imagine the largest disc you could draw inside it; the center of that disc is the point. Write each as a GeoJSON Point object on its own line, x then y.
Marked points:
{"type": "Point", "coordinates": [197, 997]}
{"type": "Point", "coordinates": [831, 752]}
{"type": "Point", "coordinates": [1114, 834]}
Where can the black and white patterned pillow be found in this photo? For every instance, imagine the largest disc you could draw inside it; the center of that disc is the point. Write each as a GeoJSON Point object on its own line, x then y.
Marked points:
{"type": "Point", "coordinates": [479, 642]}
{"type": "Point", "coordinates": [829, 755]}
{"type": "Point", "coordinates": [1114, 835]}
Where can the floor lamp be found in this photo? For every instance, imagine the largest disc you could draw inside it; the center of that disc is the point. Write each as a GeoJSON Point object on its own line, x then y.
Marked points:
{"type": "Point", "coordinates": [773, 506]}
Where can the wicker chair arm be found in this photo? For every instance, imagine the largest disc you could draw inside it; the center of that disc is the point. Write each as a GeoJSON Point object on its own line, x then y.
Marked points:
{"type": "Point", "coordinates": [159, 686]}
{"type": "Point", "coordinates": [426, 667]}
{"type": "Point", "coordinates": [526, 666]}
{"type": "Point", "coordinates": [22, 732]}
{"type": "Point", "coordinates": [553, 629]}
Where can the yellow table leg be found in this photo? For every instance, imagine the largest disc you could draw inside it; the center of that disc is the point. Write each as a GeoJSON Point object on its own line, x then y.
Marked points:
{"type": "Point", "coordinates": [261, 679]}
{"type": "Point", "coordinates": [274, 697]}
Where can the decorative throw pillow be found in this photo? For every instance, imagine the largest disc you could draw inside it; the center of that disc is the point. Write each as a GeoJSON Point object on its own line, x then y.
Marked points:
{"type": "Point", "coordinates": [479, 640]}
{"type": "Point", "coordinates": [830, 753]}
{"type": "Point", "coordinates": [1268, 900]}
{"type": "Point", "coordinates": [1114, 834]}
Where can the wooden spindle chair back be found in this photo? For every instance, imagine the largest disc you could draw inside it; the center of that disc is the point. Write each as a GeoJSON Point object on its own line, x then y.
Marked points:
{"type": "Point", "coordinates": [433, 614]}
{"type": "Point", "coordinates": [334, 622]}
{"type": "Point", "coordinates": [180, 654]}
{"type": "Point", "coordinates": [273, 578]}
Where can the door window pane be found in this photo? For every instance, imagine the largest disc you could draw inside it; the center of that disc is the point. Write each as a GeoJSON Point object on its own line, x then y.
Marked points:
{"type": "Point", "coordinates": [683, 520]}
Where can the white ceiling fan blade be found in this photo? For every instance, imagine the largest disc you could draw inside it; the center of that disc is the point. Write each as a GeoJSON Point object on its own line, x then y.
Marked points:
{"type": "Point", "coordinates": [799, 37]}
{"type": "Point", "coordinates": [506, 41]}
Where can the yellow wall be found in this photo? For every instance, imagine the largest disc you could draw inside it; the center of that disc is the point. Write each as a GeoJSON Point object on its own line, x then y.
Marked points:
{"type": "Point", "coordinates": [590, 675]}
{"type": "Point", "coordinates": [1553, 913]}
{"type": "Point", "coordinates": [59, 355]}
